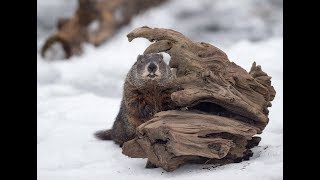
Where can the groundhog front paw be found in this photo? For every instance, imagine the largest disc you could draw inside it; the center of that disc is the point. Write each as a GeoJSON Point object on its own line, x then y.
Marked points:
{"type": "Point", "coordinates": [147, 111]}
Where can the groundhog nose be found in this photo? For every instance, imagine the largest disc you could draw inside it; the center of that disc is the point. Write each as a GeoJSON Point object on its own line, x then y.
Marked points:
{"type": "Point", "coordinates": [152, 67]}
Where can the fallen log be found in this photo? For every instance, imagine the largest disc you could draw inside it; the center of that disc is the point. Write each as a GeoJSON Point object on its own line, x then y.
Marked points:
{"type": "Point", "coordinates": [95, 21]}
{"type": "Point", "coordinates": [222, 106]}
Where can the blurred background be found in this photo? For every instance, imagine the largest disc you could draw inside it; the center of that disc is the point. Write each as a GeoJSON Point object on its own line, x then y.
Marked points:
{"type": "Point", "coordinates": [83, 56]}
{"type": "Point", "coordinates": [223, 23]}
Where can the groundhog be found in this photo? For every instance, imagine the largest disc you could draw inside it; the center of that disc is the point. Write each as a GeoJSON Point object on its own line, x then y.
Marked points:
{"type": "Point", "coordinates": [144, 94]}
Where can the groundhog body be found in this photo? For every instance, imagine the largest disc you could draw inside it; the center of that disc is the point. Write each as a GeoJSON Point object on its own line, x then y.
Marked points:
{"type": "Point", "coordinates": [145, 93]}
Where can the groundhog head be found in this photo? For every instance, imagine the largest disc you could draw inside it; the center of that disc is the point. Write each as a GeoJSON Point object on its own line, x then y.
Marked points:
{"type": "Point", "coordinates": [150, 69]}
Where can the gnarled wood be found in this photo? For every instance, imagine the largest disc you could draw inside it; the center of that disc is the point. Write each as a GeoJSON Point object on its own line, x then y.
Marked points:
{"type": "Point", "coordinates": [222, 106]}
{"type": "Point", "coordinates": [173, 136]}
{"type": "Point", "coordinates": [205, 74]}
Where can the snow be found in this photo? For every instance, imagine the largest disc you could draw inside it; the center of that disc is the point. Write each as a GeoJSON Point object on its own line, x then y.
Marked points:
{"type": "Point", "coordinates": [79, 96]}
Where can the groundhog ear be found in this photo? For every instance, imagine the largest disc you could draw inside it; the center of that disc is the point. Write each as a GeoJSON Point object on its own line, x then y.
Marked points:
{"type": "Point", "coordinates": [139, 58]}
{"type": "Point", "coordinates": [161, 56]}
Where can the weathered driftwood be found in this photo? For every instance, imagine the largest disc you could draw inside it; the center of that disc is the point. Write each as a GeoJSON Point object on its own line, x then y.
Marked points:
{"type": "Point", "coordinates": [223, 105]}
{"type": "Point", "coordinates": [94, 22]}
{"type": "Point", "coordinates": [174, 138]}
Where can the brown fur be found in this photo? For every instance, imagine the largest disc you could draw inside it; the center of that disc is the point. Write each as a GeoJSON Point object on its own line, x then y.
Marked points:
{"type": "Point", "coordinates": [142, 98]}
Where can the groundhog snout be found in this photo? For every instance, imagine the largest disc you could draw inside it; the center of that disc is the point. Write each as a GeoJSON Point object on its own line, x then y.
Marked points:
{"type": "Point", "coordinates": [152, 68]}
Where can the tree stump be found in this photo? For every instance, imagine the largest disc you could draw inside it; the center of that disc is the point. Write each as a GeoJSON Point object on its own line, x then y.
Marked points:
{"type": "Point", "coordinates": [222, 106]}
{"type": "Point", "coordinates": [95, 21]}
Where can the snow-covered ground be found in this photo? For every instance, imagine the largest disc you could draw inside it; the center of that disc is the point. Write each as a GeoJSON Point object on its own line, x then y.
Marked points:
{"type": "Point", "coordinates": [82, 95]}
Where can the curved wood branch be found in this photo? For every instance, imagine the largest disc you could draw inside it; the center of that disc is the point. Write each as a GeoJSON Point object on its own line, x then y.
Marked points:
{"type": "Point", "coordinates": [95, 21]}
